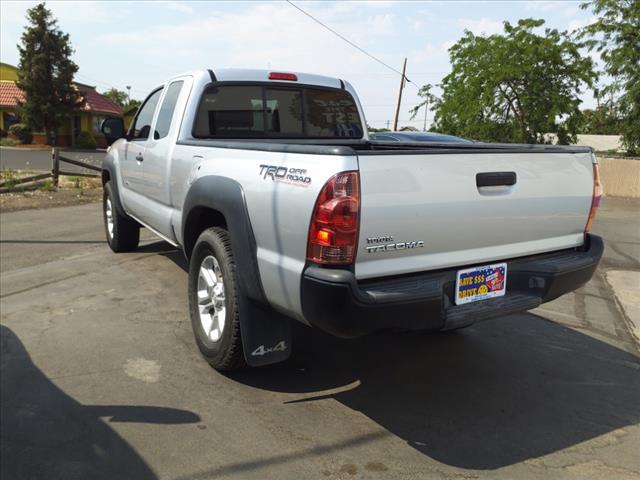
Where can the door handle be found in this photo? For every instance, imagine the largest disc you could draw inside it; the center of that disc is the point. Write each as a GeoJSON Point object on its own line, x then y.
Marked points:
{"type": "Point", "coordinates": [139, 157]}
{"type": "Point", "coordinates": [496, 179]}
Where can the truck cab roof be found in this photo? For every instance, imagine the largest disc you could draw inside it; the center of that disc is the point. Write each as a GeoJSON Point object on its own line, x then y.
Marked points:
{"type": "Point", "coordinates": [262, 75]}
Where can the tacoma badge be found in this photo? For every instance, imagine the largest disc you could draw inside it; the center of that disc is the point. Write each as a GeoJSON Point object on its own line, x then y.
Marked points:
{"type": "Point", "coordinates": [394, 246]}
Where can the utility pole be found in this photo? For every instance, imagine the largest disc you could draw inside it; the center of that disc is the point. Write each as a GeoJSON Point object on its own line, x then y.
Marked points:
{"type": "Point", "coordinates": [404, 69]}
{"type": "Point", "coordinates": [426, 109]}
{"type": "Point", "coordinates": [388, 122]}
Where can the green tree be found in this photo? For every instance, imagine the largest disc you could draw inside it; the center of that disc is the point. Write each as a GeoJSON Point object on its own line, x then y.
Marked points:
{"type": "Point", "coordinates": [427, 99]}
{"type": "Point", "coordinates": [374, 129]}
{"type": "Point", "coordinates": [616, 35]}
{"type": "Point", "coordinates": [121, 98]}
{"type": "Point", "coordinates": [45, 73]}
{"type": "Point", "coordinates": [117, 96]}
{"type": "Point", "coordinates": [604, 119]}
{"type": "Point", "coordinates": [132, 103]}
{"type": "Point", "coordinates": [514, 87]}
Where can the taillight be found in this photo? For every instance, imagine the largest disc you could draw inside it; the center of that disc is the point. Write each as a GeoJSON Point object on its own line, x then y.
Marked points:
{"type": "Point", "coordinates": [292, 77]}
{"type": "Point", "coordinates": [333, 233]}
{"type": "Point", "coordinates": [595, 199]}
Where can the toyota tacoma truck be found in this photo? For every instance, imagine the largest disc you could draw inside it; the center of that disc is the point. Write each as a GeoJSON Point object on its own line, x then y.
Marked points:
{"type": "Point", "coordinates": [286, 210]}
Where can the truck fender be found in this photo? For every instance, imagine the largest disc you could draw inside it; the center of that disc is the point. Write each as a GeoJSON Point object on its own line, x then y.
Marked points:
{"type": "Point", "coordinates": [266, 333]}
{"type": "Point", "coordinates": [110, 171]}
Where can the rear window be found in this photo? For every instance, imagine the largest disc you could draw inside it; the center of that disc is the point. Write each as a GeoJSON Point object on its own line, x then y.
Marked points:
{"type": "Point", "coordinates": [254, 111]}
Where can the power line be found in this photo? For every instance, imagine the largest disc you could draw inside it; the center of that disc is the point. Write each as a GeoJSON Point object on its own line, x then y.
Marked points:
{"type": "Point", "coordinates": [350, 42]}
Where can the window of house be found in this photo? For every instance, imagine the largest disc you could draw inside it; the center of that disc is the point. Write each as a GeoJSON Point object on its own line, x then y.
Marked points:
{"type": "Point", "coordinates": [10, 119]}
{"type": "Point", "coordinates": [167, 109]}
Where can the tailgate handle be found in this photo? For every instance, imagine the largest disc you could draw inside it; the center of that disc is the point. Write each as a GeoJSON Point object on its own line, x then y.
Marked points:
{"type": "Point", "coordinates": [496, 179]}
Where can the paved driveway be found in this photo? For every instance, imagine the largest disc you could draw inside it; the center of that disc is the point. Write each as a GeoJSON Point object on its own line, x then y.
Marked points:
{"type": "Point", "coordinates": [101, 378]}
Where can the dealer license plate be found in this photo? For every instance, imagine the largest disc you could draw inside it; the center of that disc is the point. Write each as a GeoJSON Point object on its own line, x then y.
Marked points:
{"type": "Point", "coordinates": [480, 283]}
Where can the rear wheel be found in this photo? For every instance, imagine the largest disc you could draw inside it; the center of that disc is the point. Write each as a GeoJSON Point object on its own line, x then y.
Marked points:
{"type": "Point", "coordinates": [123, 233]}
{"type": "Point", "coordinates": [213, 300]}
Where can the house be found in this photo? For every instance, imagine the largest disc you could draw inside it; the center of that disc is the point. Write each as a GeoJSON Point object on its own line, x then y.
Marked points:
{"type": "Point", "coordinates": [95, 108]}
{"type": "Point", "coordinates": [10, 94]}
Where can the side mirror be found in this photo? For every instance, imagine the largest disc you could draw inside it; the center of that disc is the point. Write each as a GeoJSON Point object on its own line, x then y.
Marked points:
{"type": "Point", "coordinates": [112, 128]}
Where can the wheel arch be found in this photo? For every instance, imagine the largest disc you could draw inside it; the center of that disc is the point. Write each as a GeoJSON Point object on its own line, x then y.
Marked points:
{"type": "Point", "coordinates": [110, 174]}
{"type": "Point", "coordinates": [199, 219]}
{"type": "Point", "coordinates": [220, 201]}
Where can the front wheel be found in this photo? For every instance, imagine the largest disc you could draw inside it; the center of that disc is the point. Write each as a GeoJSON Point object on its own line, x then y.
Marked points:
{"type": "Point", "coordinates": [213, 300]}
{"type": "Point", "coordinates": [123, 233]}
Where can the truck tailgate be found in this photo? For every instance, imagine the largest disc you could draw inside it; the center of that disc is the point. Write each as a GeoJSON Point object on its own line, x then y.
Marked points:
{"type": "Point", "coordinates": [425, 211]}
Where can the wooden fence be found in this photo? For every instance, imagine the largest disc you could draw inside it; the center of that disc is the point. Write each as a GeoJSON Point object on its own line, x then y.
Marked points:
{"type": "Point", "coordinates": [56, 159]}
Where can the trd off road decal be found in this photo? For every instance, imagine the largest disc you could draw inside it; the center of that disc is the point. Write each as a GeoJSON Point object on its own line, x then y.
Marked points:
{"type": "Point", "coordinates": [291, 176]}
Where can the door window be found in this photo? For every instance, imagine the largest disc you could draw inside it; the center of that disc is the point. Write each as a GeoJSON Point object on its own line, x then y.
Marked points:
{"type": "Point", "coordinates": [142, 125]}
{"type": "Point", "coordinates": [167, 109]}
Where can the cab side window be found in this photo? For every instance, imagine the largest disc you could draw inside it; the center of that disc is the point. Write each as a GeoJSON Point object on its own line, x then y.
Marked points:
{"type": "Point", "coordinates": [142, 125]}
{"type": "Point", "coordinates": [168, 107]}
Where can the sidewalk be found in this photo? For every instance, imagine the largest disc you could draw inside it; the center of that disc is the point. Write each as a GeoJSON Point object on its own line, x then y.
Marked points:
{"type": "Point", "coordinates": [626, 288]}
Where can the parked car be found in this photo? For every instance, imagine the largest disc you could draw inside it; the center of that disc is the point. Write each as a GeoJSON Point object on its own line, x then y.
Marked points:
{"type": "Point", "coordinates": [285, 210]}
{"type": "Point", "coordinates": [416, 137]}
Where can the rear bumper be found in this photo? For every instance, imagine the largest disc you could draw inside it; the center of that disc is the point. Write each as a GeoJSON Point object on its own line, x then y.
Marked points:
{"type": "Point", "coordinates": [334, 301]}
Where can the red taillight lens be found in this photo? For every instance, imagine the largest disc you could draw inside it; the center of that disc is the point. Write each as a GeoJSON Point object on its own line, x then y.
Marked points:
{"type": "Point", "coordinates": [333, 233]}
{"type": "Point", "coordinates": [598, 191]}
{"type": "Point", "coordinates": [292, 77]}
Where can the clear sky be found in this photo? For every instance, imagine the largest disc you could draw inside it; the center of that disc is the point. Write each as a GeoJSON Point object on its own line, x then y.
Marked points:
{"type": "Point", "coordinates": [142, 43]}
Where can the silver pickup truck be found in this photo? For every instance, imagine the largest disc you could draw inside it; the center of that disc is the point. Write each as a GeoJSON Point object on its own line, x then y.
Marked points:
{"type": "Point", "coordinates": [286, 210]}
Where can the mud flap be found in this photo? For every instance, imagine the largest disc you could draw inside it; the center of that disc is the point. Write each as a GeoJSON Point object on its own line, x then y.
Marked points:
{"type": "Point", "coordinates": [266, 334]}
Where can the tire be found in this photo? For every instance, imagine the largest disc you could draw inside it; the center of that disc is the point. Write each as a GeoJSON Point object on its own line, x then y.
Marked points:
{"type": "Point", "coordinates": [123, 233]}
{"type": "Point", "coordinates": [213, 286]}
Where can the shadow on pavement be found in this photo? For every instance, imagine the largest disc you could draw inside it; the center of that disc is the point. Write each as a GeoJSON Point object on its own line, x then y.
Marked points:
{"type": "Point", "coordinates": [493, 395]}
{"type": "Point", "coordinates": [47, 434]}
{"type": "Point", "coordinates": [177, 257]}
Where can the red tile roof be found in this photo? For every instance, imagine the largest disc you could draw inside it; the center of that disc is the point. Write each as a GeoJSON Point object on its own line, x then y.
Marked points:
{"type": "Point", "coordinates": [10, 94]}
{"type": "Point", "coordinates": [96, 102]}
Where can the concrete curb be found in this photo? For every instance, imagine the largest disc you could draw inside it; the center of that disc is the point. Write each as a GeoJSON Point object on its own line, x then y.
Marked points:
{"type": "Point", "coordinates": [626, 288]}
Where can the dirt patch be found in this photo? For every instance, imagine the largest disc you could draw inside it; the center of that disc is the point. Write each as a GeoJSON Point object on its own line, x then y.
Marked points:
{"type": "Point", "coordinates": [71, 191]}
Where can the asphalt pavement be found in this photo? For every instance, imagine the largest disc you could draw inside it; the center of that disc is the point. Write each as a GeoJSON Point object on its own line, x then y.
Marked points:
{"type": "Point", "coordinates": [40, 160]}
{"type": "Point", "coordinates": [100, 378]}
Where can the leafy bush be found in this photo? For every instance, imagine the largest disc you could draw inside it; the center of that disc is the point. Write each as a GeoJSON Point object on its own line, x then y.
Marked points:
{"type": "Point", "coordinates": [47, 186]}
{"type": "Point", "coordinates": [9, 178]}
{"type": "Point", "coordinates": [8, 142]}
{"type": "Point", "coordinates": [86, 140]}
{"type": "Point", "coordinates": [22, 132]}
{"type": "Point", "coordinates": [3, 133]}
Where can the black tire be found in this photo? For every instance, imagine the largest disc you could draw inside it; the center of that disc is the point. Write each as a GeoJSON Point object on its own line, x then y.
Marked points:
{"type": "Point", "coordinates": [226, 353]}
{"type": "Point", "coordinates": [125, 235]}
